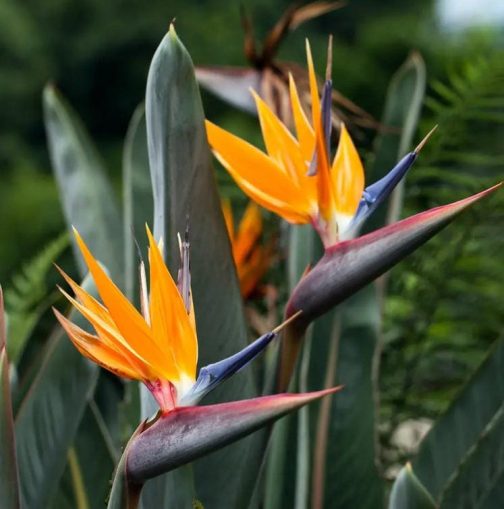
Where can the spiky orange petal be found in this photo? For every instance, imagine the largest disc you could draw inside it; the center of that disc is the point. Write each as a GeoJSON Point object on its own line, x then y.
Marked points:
{"type": "Point", "coordinates": [314, 91]}
{"type": "Point", "coordinates": [249, 230]}
{"type": "Point", "coordinates": [304, 131]}
{"type": "Point", "coordinates": [128, 320]}
{"type": "Point", "coordinates": [280, 144]}
{"type": "Point", "coordinates": [347, 175]}
{"type": "Point", "coordinates": [252, 270]}
{"type": "Point", "coordinates": [171, 326]}
{"type": "Point", "coordinates": [258, 175]}
{"type": "Point", "coordinates": [323, 177]}
{"type": "Point", "coordinates": [87, 300]}
{"type": "Point", "coordinates": [112, 338]}
{"type": "Point", "coordinates": [92, 348]}
{"type": "Point", "coordinates": [227, 212]}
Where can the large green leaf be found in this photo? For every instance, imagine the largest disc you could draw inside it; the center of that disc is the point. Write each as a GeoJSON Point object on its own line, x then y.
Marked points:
{"type": "Point", "coordinates": [461, 460]}
{"type": "Point", "coordinates": [49, 415]}
{"type": "Point", "coordinates": [91, 463]}
{"type": "Point", "coordinates": [185, 191]}
{"type": "Point", "coordinates": [408, 492]}
{"type": "Point", "coordinates": [137, 198]}
{"type": "Point", "coordinates": [404, 101]}
{"type": "Point", "coordinates": [289, 450]}
{"type": "Point", "coordinates": [350, 453]}
{"type": "Point", "coordinates": [9, 491]}
{"type": "Point", "coordinates": [344, 345]}
{"type": "Point", "coordinates": [87, 197]}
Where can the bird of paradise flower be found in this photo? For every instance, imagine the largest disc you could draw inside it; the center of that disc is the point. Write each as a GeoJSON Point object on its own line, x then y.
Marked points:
{"type": "Point", "coordinates": [294, 178]}
{"type": "Point", "coordinates": [157, 346]}
{"type": "Point", "coordinates": [251, 259]}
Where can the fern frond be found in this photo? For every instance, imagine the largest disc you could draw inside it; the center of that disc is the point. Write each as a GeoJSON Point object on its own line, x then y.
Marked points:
{"type": "Point", "coordinates": [27, 297]}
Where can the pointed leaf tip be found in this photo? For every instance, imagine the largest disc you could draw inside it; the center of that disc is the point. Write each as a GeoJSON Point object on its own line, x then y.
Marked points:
{"type": "Point", "coordinates": [188, 433]}
{"type": "Point", "coordinates": [408, 492]}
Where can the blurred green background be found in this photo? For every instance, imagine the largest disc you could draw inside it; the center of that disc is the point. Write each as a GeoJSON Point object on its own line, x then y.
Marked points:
{"type": "Point", "coordinates": [445, 306]}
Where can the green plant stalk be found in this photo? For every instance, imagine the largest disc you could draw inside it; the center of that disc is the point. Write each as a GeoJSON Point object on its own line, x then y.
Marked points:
{"type": "Point", "coordinates": [77, 481]}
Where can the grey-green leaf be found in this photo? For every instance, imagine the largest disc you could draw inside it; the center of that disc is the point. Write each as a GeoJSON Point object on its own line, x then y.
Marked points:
{"type": "Point", "coordinates": [185, 192]}
{"type": "Point", "coordinates": [137, 198]}
{"type": "Point", "coordinates": [403, 104]}
{"type": "Point", "coordinates": [87, 196]}
{"type": "Point", "coordinates": [9, 490]}
{"type": "Point", "coordinates": [49, 416]}
{"type": "Point", "coordinates": [408, 492]}
{"type": "Point", "coordinates": [462, 456]}
{"type": "Point", "coordinates": [91, 463]}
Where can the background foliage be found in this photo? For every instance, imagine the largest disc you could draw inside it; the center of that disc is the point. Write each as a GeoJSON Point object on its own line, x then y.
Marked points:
{"type": "Point", "coordinates": [444, 305]}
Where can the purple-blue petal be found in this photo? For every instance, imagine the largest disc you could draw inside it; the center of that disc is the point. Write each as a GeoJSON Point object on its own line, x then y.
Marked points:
{"type": "Point", "coordinates": [326, 109]}
{"type": "Point", "coordinates": [376, 193]}
{"type": "Point", "coordinates": [214, 374]}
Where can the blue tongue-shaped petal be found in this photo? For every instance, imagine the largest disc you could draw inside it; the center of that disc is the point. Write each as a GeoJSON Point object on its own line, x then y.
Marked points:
{"type": "Point", "coordinates": [376, 193]}
{"type": "Point", "coordinates": [325, 114]}
{"type": "Point", "coordinates": [214, 374]}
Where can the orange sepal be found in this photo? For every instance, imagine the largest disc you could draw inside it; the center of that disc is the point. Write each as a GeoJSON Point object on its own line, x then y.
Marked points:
{"type": "Point", "coordinates": [91, 347]}
{"type": "Point", "coordinates": [304, 131]}
{"type": "Point", "coordinates": [129, 322]}
{"type": "Point", "coordinates": [249, 230]}
{"type": "Point", "coordinates": [259, 177]}
{"type": "Point", "coordinates": [171, 327]}
{"type": "Point", "coordinates": [314, 91]}
{"type": "Point", "coordinates": [347, 175]}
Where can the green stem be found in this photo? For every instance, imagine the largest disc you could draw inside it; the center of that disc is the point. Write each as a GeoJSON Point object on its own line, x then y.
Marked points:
{"type": "Point", "coordinates": [77, 480]}
{"type": "Point", "coordinates": [319, 456]}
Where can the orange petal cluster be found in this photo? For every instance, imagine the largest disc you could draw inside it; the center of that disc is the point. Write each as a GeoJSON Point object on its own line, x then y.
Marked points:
{"type": "Point", "coordinates": [160, 347]}
{"type": "Point", "coordinates": [278, 178]}
{"type": "Point", "coordinates": [251, 259]}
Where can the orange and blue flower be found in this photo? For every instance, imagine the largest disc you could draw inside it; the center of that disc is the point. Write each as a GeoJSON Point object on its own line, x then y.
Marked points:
{"type": "Point", "coordinates": [294, 177]}
{"type": "Point", "coordinates": [157, 346]}
{"type": "Point", "coordinates": [252, 260]}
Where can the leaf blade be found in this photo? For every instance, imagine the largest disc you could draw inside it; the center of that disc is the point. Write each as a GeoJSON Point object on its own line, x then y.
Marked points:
{"type": "Point", "coordinates": [185, 188]}
{"type": "Point", "coordinates": [9, 490]}
{"type": "Point", "coordinates": [459, 439]}
{"type": "Point", "coordinates": [85, 191]}
{"type": "Point", "coordinates": [45, 429]}
{"type": "Point", "coordinates": [409, 493]}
